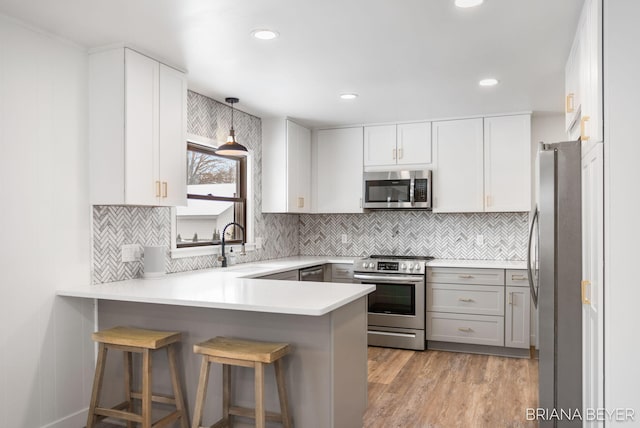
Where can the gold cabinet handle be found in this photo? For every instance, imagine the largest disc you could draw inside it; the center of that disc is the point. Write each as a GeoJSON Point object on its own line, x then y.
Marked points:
{"type": "Point", "coordinates": [165, 190]}
{"type": "Point", "coordinates": [400, 153]}
{"type": "Point", "coordinates": [462, 299]}
{"type": "Point", "coordinates": [569, 103]}
{"type": "Point", "coordinates": [300, 202]}
{"type": "Point", "coordinates": [465, 329]}
{"type": "Point", "coordinates": [583, 291]}
{"type": "Point", "coordinates": [465, 276]}
{"type": "Point", "coordinates": [518, 277]}
{"type": "Point", "coordinates": [393, 153]}
{"type": "Point", "coordinates": [511, 298]}
{"type": "Point", "coordinates": [489, 201]}
{"type": "Point", "coordinates": [157, 189]}
{"type": "Point", "coordinates": [583, 123]}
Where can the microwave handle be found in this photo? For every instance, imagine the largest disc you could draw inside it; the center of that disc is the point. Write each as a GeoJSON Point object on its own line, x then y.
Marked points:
{"type": "Point", "coordinates": [412, 191]}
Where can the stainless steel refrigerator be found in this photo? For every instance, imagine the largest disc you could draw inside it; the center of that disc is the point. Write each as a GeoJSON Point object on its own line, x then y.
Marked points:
{"type": "Point", "coordinates": [555, 270]}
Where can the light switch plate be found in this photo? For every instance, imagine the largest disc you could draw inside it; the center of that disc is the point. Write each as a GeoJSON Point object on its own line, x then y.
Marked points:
{"type": "Point", "coordinates": [345, 238]}
{"type": "Point", "coordinates": [479, 239]}
{"type": "Point", "coordinates": [258, 243]}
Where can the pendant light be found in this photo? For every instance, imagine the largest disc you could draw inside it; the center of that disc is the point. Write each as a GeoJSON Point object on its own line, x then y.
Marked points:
{"type": "Point", "coordinates": [231, 147]}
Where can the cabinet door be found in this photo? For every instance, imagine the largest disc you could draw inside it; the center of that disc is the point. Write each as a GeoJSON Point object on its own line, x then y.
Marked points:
{"type": "Point", "coordinates": [507, 163]}
{"type": "Point", "coordinates": [591, 71]}
{"type": "Point", "coordinates": [338, 171]}
{"type": "Point", "coordinates": [458, 174]}
{"type": "Point", "coordinates": [173, 146]}
{"type": "Point", "coordinates": [517, 317]}
{"type": "Point", "coordinates": [298, 168]}
{"type": "Point", "coordinates": [592, 273]}
{"type": "Point", "coordinates": [380, 145]}
{"type": "Point", "coordinates": [142, 154]}
{"type": "Point", "coordinates": [572, 86]}
{"type": "Point", "coordinates": [414, 143]}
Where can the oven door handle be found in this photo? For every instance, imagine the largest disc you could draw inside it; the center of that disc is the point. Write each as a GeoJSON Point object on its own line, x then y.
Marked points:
{"type": "Point", "coordinates": [388, 279]}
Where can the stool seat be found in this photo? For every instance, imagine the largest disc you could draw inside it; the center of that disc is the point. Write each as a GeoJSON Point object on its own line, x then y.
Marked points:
{"type": "Point", "coordinates": [238, 349]}
{"type": "Point", "coordinates": [136, 337]}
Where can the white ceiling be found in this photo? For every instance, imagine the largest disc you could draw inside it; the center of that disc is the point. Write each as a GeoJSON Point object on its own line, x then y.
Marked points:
{"type": "Point", "coordinates": [407, 59]}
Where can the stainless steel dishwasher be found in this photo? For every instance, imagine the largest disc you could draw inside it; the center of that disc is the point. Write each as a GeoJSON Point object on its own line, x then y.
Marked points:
{"type": "Point", "coordinates": [313, 273]}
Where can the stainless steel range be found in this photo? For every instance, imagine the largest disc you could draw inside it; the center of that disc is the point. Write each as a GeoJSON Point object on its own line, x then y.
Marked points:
{"type": "Point", "coordinates": [397, 307]}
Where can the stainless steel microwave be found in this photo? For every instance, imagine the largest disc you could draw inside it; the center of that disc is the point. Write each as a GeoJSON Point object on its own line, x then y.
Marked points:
{"type": "Point", "coordinates": [397, 190]}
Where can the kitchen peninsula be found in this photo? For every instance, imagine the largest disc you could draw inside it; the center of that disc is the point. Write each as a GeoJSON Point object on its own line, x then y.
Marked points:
{"type": "Point", "coordinates": [325, 323]}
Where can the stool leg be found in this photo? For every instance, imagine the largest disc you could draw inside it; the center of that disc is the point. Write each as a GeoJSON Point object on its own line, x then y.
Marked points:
{"type": "Point", "coordinates": [177, 387]}
{"type": "Point", "coordinates": [146, 388]}
{"type": "Point", "coordinates": [202, 393]}
{"type": "Point", "coordinates": [97, 384]}
{"type": "Point", "coordinates": [282, 394]}
{"type": "Point", "coordinates": [226, 393]}
{"type": "Point", "coordinates": [259, 388]}
{"type": "Point", "coordinates": [128, 376]}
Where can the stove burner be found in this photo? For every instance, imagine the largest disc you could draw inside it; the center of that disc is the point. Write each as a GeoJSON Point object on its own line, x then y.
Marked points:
{"type": "Point", "coordinates": [378, 256]}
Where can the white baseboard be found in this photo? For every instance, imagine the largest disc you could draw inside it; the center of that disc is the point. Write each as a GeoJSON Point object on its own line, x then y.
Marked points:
{"type": "Point", "coordinates": [74, 420]}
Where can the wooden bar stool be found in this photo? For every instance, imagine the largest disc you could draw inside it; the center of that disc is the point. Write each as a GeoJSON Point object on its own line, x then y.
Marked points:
{"type": "Point", "coordinates": [130, 340]}
{"type": "Point", "coordinates": [235, 352]}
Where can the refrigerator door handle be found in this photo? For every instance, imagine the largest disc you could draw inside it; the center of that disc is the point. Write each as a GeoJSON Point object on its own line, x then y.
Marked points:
{"type": "Point", "coordinates": [532, 288]}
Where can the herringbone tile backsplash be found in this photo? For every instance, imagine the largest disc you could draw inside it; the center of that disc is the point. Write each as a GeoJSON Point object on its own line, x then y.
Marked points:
{"type": "Point", "coordinates": [451, 236]}
{"type": "Point", "coordinates": [446, 236]}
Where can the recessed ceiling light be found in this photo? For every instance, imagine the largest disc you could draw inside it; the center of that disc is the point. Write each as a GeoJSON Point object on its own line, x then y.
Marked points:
{"type": "Point", "coordinates": [265, 34]}
{"type": "Point", "coordinates": [468, 3]}
{"type": "Point", "coordinates": [349, 96]}
{"type": "Point", "coordinates": [488, 82]}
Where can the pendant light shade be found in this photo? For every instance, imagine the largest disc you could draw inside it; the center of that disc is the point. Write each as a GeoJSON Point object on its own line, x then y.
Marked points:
{"type": "Point", "coordinates": [231, 147]}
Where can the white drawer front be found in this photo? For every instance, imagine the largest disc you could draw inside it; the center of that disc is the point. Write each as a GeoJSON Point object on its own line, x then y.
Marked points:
{"type": "Point", "coordinates": [517, 277]}
{"type": "Point", "coordinates": [462, 328]}
{"type": "Point", "coordinates": [466, 276]}
{"type": "Point", "coordinates": [466, 299]}
{"type": "Point", "coordinates": [342, 272]}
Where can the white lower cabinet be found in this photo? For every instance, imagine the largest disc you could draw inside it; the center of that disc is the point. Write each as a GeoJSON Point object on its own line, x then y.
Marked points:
{"type": "Point", "coordinates": [478, 306]}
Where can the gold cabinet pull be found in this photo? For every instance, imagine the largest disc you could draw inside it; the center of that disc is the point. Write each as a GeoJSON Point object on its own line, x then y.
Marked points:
{"type": "Point", "coordinates": [400, 153]}
{"type": "Point", "coordinates": [465, 329]}
{"type": "Point", "coordinates": [463, 299]}
{"type": "Point", "coordinates": [301, 202]}
{"type": "Point", "coordinates": [583, 290]}
{"type": "Point", "coordinates": [569, 103]}
{"type": "Point", "coordinates": [583, 126]}
{"type": "Point", "coordinates": [511, 298]}
{"type": "Point", "coordinates": [518, 277]}
{"type": "Point", "coordinates": [489, 201]}
{"type": "Point", "coordinates": [157, 189]}
{"type": "Point", "coordinates": [465, 276]}
{"type": "Point", "coordinates": [393, 153]}
{"type": "Point", "coordinates": [164, 189]}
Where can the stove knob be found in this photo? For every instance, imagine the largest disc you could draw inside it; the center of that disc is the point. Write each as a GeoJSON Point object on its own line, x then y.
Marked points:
{"type": "Point", "coordinates": [371, 265]}
{"type": "Point", "coordinates": [403, 266]}
{"type": "Point", "coordinates": [410, 266]}
{"type": "Point", "coordinates": [364, 265]}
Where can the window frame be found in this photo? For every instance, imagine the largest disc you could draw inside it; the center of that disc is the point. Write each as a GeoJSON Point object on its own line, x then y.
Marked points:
{"type": "Point", "coordinates": [242, 181]}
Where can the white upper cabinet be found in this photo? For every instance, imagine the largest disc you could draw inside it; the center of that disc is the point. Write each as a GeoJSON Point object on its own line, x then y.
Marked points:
{"type": "Point", "coordinates": [392, 145]}
{"type": "Point", "coordinates": [507, 163]}
{"type": "Point", "coordinates": [458, 173]}
{"type": "Point", "coordinates": [137, 130]}
{"type": "Point", "coordinates": [337, 166]}
{"type": "Point", "coordinates": [583, 77]}
{"type": "Point", "coordinates": [286, 167]}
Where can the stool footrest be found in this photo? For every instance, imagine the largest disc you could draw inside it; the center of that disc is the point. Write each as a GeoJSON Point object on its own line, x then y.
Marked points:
{"type": "Point", "coordinates": [251, 413]}
{"type": "Point", "coordinates": [156, 398]}
{"type": "Point", "coordinates": [116, 413]}
{"type": "Point", "coordinates": [166, 420]}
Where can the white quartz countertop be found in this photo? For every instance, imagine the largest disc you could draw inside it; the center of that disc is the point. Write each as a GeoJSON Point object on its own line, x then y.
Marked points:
{"type": "Point", "coordinates": [234, 288]}
{"type": "Point", "coordinates": [238, 288]}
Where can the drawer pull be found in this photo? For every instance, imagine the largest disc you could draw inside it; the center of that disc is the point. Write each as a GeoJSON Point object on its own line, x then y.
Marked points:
{"type": "Point", "coordinates": [462, 299]}
{"type": "Point", "coordinates": [465, 276]}
{"type": "Point", "coordinates": [465, 329]}
{"type": "Point", "coordinates": [511, 298]}
{"type": "Point", "coordinates": [518, 277]}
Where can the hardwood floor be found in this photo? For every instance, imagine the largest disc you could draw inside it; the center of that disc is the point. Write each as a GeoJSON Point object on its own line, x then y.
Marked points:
{"type": "Point", "coordinates": [435, 389]}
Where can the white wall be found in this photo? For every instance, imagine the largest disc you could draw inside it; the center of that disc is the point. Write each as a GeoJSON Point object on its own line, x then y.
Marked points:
{"type": "Point", "coordinates": [46, 354]}
{"type": "Point", "coordinates": [622, 230]}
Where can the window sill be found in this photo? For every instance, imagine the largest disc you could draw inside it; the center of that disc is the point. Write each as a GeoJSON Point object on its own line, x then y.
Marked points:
{"type": "Point", "coordinates": [180, 253]}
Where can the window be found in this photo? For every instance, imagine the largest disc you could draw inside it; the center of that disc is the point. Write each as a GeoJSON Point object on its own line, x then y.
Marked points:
{"type": "Point", "coordinates": [216, 196]}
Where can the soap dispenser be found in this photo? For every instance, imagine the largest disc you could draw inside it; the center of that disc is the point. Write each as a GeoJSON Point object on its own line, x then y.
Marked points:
{"type": "Point", "coordinates": [231, 257]}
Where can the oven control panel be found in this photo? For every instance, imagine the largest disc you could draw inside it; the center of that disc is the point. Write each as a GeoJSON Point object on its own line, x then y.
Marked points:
{"type": "Point", "coordinates": [391, 266]}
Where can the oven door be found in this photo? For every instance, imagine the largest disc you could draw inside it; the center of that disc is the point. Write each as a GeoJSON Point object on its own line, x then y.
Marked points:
{"type": "Point", "coordinates": [398, 300]}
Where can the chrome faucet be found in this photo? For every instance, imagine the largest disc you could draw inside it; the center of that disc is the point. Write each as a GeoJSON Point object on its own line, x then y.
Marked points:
{"type": "Point", "coordinates": [222, 257]}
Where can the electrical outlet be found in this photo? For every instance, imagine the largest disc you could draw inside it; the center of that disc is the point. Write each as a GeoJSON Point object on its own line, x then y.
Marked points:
{"type": "Point", "coordinates": [131, 253]}
{"type": "Point", "coordinates": [479, 240]}
{"type": "Point", "coordinates": [258, 243]}
{"type": "Point", "coordinates": [345, 238]}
